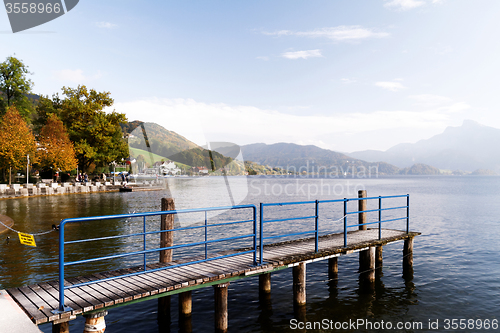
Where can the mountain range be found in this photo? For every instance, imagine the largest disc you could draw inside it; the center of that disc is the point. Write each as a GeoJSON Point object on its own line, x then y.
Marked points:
{"type": "Point", "coordinates": [311, 159]}
{"type": "Point", "coordinates": [468, 147]}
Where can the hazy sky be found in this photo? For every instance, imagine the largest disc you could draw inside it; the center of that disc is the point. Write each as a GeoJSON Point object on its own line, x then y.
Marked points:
{"type": "Point", "coordinates": [344, 75]}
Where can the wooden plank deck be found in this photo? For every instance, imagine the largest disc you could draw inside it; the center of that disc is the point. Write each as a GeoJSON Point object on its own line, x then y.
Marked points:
{"type": "Point", "coordinates": [40, 299]}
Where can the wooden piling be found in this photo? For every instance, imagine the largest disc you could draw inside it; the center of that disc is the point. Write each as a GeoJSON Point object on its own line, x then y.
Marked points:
{"type": "Point", "coordinates": [367, 267]}
{"type": "Point", "coordinates": [95, 323]}
{"type": "Point", "coordinates": [164, 316]}
{"type": "Point", "coordinates": [333, 268]}
{"type": "Point", "coordinates": [361, 207]}
{"type": "Point", "coordinates": [185, 310]}
{"type": "Point", "coordinates": [220, 294]}
{"type": "Point", "coordinates": [61, 327]}
{"type": "Point", "coordinates": [299, 284]}
{"type": "Point", "coordinates": [265, 283]}
{"type": "Point", "coordinates": [408, 258]}
{"type": "Point", "coordinates": [185, 304]}
{"type": "Point", "coordinates": [167, 223]}
{"type": "Point", "coordinates": [379, 260]}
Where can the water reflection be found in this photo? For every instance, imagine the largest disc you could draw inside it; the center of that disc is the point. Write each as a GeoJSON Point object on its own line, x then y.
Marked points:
{"type": "Point", "coordinates": [21, 264]}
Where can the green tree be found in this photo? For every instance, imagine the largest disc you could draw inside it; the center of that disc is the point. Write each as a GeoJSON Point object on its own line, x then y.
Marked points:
{"type": "Point", "coordinates": [55, 149]}
{"type": "Point", "coordinates": [14, 86]}
{"type": "Point", "coordinates": [16, 142]}
{"type": "Point", "coordinates": [44, 108]}
{"type": "Point", "coordinates": [96, 134]}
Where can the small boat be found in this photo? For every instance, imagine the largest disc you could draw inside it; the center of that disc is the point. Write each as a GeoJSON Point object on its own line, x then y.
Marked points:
{"type": "Point", "coordinates": [125, 189]}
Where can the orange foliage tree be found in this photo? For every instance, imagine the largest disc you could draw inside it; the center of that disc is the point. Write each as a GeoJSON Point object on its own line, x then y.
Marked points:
{"type": "Point", "coordinates": [56, 151]}
{"type": "Point", "coordinates": [16, 142]}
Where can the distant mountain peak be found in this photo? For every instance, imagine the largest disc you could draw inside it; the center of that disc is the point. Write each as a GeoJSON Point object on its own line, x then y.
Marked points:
{"type": "Point", "coordinates": [467, 147]}
{"type": "Point", "coordinates": [471, 123]}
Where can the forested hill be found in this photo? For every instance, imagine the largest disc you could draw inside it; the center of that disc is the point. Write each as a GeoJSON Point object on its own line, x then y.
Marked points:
{"type": "Point", "coordinates": [161, 141]}
{"type": "Point", "coordinates": [171, 145]}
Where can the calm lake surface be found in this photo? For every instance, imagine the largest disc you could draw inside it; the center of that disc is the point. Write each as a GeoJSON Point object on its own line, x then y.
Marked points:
{"type": "Point", "coordinates": [456, 259]}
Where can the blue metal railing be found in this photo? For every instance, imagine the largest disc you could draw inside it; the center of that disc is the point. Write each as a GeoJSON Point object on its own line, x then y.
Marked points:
{"type": "Point", "coordinates": [262, 236]}
{"type": "Point", "coordinates": [145, 251]}
{"type": "Point", "coordinates": [316, 217]}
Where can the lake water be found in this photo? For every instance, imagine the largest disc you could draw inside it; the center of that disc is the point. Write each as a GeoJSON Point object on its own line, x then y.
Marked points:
{"type": "Point", "coordinates": [456, 259]}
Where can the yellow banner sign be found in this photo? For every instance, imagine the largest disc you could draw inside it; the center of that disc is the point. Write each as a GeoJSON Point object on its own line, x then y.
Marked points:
{"type": "Point", "coordinates": [27, 239]}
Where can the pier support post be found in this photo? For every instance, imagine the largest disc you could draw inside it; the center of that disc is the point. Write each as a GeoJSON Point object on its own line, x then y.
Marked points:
{"type": "Point", "coordinates": [408, 258]}
{"type": "Point", "coordinates": [185, 310]}
{"type": "Point", "coordinates": [185, 304]}
{"type": "Point", "coordinates": [379, 261]}
{"type": "Point", "coordinates": [220, 293]}
{"type": "Point", "coordinates": [333, 268]}
{"type": "Point", "coordinates": [94, 323]}
{"type": "Point", "coordinates": [265, 283]}
{"type": "Point", "coordinates": [299, 284]}
{"type": "Point", "coordinates": [61, 327]}
{"type": "Point", "coordinates": [164, 313]}
{"type": "Point", "coordinates": [167, 223]}
{"type": "Point", "coordinates": [367, 267]}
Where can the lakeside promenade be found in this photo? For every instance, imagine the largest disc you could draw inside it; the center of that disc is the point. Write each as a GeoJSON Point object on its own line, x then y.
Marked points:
{"type": "Point", "coordinates": [43, 189]}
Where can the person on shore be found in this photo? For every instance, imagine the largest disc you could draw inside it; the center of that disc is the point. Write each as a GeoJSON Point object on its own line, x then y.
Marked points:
{"type": "Point", "coordinates": [85, 178]}
{"type": "Point", "coordinates": [103, 177]}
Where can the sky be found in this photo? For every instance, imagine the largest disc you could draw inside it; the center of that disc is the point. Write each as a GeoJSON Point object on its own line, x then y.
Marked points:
{"type": "Point", "coordinates": [343, 75]}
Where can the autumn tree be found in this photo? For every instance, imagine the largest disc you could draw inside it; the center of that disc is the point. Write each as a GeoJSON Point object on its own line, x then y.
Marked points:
{"type": "Point", "coordinates": [16, 142]}
{"type": "Point", "coordinates": [14, 86]}
{"type": "Point", "coordinates": [96, 134]}
{"type": "Point", "coordinates": [55, 151]}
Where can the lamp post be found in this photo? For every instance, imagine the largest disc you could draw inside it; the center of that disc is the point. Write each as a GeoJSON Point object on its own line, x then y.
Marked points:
{"type": "Point", "coordinates": [27, 170]}
{"type": "Point", "coordinates": [114, 172]}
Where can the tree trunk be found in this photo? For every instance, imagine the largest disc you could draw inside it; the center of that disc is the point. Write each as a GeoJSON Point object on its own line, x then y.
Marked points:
{"type": "Point", "coordinates": [10, 176]}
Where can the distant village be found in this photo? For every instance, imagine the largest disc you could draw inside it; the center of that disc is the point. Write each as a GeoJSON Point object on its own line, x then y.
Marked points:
{"type": "Point", "coordinates": [169, 168]}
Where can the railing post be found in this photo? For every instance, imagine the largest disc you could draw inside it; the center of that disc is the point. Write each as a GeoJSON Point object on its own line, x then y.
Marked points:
{"type": "Point", "coordinates": [345, 222]}
{"type": "Point", "coordinates": [254, 209]}
{"type": "Point", "coordinates": [379, 217]}
{"type": "Point", "coordinates": [316, 227]}
{"type": "Point", "coordinates": [61, 267]}
{"type": "Point", "coordinates": [407, 213]}
{"type": "Point", "coordinates": [261, 232]}
{"type": "Point", "coordinates": [206, 236]}
{"type": "Point", "coordinates": [144, 241]}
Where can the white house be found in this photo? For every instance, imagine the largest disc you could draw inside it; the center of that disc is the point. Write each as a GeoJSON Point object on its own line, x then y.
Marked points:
{"type": "Point", "coordinates": [169, 168]}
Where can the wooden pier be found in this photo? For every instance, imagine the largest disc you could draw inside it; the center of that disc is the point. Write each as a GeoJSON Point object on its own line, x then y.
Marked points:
{"type": "Point", "coordinates": [41, 301]}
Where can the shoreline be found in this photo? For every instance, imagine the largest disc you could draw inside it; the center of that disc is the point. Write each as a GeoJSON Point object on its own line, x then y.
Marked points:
{"type": "Point", "coordinates": [18, 191]}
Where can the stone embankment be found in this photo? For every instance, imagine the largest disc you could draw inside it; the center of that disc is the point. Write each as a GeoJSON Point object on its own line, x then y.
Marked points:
{"type": "Point", "coordinates": [26, 190]}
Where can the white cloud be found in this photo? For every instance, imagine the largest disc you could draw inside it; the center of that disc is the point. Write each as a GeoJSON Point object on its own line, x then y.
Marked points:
{"type": "Point", "coordinates": [201, 122]}
{"type": "Point", "coordinates": [302, 54]}
{"type": "Point", "coordinates": [278, 33]}
{"type": "Point", "coordinates": [390, 85]}
{"type": "Point", "coordinates": [403, 4]}
{"type": "Point", "coordinates": [340, 33]}
{"type": "Point", "coordinates": [74, 76]}
{"type": "Point", "coordinates": [263, 58]}
{"type": "Point", "coordinates": [106, 25]}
